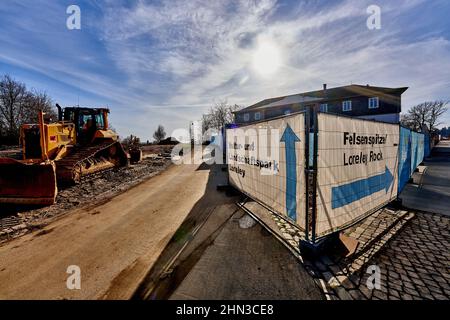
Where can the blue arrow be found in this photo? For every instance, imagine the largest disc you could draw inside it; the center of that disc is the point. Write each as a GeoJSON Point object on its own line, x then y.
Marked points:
{"type": "Point", "coordinates": [348, 193]}
{"type": "Point", "coordinates": [290, 138]}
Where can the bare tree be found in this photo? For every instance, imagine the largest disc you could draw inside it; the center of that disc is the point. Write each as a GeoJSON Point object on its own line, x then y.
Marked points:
{"type": "Point", "coordinates": [12, 102]}
{"type": "Point", "coordinates": [218, 116]}
{"type": "Point", "coordinates": [437, 110]}
{"type": "Point", "coordinates": [426, 114]}
{"type": "Point", "coordinates": [2, 127]}
{"type": "Point", "coordinates": [19, 105]}
{"type": "Point", "coordinates": [159, 134]}
{"type": "Point", "coordinates": [409, 121]}
{"type": "Point", "coordinates": [36, 101]}
{"type": "Point", "coordinates": [206, 122]}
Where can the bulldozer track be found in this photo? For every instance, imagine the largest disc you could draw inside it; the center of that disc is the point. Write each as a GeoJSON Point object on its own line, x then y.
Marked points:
{"type": "Point", "coordinates": [96, 175]}
{"type": "Point", "coordinates": [68, 167]}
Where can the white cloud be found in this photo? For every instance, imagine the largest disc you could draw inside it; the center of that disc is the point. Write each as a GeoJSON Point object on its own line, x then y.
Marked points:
{"type": "Point", "coordinates": [207, 49]}
{"type": "Point", "coordinates": [167, 61]}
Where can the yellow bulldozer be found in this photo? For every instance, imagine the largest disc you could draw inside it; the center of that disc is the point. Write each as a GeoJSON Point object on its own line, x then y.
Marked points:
{"type": "Point", "coordinates": [78, 145]}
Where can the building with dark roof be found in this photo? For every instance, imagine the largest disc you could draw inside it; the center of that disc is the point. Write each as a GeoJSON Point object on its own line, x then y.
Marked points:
{"type": "Point", "coordinates": [367, 102]}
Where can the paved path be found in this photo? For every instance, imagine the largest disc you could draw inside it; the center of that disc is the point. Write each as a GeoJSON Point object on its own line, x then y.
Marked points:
{"type": "Point", "coordinates": [412, 256]}
{"type": "Point", "coordinates": [113, 243]}
{"type": "Point", "coordinates": [212, 257]}
{"type": "Point", "coordinates": [432, 194]}
{"type": "Point", "coordinates": [415, 265]}
{"type": "Point", "coordinates": [247, 264]}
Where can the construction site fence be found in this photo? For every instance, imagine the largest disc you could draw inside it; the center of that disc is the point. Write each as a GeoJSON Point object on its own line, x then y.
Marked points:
{"type": "Point", "coordinates": [328, 171]}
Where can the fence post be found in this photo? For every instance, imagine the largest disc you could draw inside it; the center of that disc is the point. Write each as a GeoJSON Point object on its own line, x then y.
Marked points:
{"type": "Point", "coordinates": [310, 173]}
{"type": "Point", "coordinates": [307, 185]}
{"type": "Point", "coordinates": [310, 247]}
{"type": "Point", "coordinates": [314, 135]}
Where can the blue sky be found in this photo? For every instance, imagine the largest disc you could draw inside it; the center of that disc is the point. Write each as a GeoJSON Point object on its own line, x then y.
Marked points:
{"type": "Point", "coordinates": [166, 62]}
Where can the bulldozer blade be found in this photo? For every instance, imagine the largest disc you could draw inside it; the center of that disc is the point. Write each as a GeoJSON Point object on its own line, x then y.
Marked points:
{"type": "Point", "coordinates": [27, 184]}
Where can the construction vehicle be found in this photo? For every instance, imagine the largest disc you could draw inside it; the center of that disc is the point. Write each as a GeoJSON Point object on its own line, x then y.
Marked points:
{"type": "Point", "coordinates": [78, 145]}
{"type": "Point", "coordinates": [134, 150]}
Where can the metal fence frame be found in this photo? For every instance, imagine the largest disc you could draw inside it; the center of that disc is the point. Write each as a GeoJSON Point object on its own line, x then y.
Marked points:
{"type": "Point", "coordinates": [311, 171]}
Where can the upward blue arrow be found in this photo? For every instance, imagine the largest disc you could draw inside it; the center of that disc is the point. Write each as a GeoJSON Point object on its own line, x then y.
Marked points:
{"type": "Point", "coordinates": [354, 191]}
{"type": "Point", "coordinates": [290, 138]}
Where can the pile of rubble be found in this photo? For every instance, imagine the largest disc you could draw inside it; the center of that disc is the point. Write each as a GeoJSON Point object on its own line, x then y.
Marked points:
{"type": "Point", "coordinates": [15, 221]}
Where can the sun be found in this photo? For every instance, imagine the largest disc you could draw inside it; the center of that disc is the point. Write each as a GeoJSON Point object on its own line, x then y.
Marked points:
{"type": "Point", "coordinates": [266, 59]}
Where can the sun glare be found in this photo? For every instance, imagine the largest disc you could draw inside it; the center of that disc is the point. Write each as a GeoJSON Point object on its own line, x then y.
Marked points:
{"type": "Point", "coordinates": [266, 59]}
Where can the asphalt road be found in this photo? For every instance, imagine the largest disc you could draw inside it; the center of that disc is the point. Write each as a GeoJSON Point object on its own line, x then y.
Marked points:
{"type": "Point", "coordinates": [212, 257]}
{"type": "Point", "coordinates": [123, 244]}
{"type": "Point", "coordinates": [113, 243]}
{"type": "Point", "coordinates": [248, 264]}
{"type": "Point", "coordinates": [432, 193]}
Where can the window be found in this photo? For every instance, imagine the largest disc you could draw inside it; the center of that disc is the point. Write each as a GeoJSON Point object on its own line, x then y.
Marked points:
{"type": "Point", "coordinates": [324, 107]}
{"type": "Point", "coordinates": [346, 105]}
{"type": "Point", "coordinates": [258, 116]}
{"type": "Point", "coordinates": [374, 103]}
{"type": "Point", "coordinates": [86, 121]}
{"type": "Point", "coordinates": [99, 121]}
{"type": "Point", "coordinates": [246, 117]}
{"type": "Point", "coordinates": [286, 112]}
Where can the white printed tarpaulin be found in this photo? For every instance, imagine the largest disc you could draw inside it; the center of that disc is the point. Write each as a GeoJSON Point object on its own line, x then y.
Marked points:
{"type": "Point", "coordinates": [266, 162]}
{"type": "Point", "coordinates": [357, 169]}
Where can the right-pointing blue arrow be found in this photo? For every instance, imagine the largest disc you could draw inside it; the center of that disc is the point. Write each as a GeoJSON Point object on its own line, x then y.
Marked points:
{"type": "Point", "coordinates": [354, 191]}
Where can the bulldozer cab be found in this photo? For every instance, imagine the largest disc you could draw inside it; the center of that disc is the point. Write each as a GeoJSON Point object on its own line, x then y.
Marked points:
{"type": "Point", "coordinates": [87, 122]}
